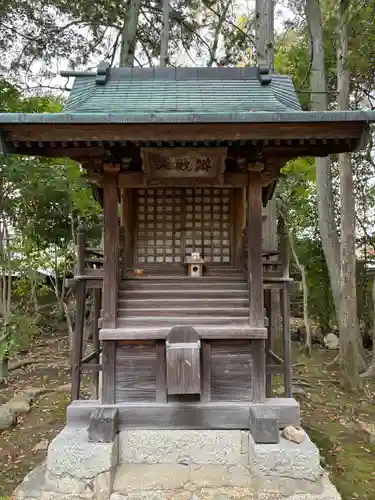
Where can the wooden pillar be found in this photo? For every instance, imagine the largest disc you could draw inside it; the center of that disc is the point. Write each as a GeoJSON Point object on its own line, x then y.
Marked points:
{"type": "Point", "coordinates": [255, 282]}
{"type": "Point", "coordinates": [206, 371]}
{"type": "Point", "coordinates": [111, 251]}
{"type": "Point", "coordinates": [110, 283]}
{"type": "Point", "coordinates": [239, 225]}
{"type": "Point", "coordinates": [109, 372]}
{"type": "Point", "coordinates": [287, 341]}
{"type": "Point", "coordinates": [127, 223]}
{"type": "Point", "coordinates": [122, 207]}
{"type": "Point", "coordinates": [161, 375]}
{"type": "Point", "coordinates": [285, 313]}
{"type": "Point", "coordinates": [97, 302]}
{"type": "Point", "coordinates": [268, 308]}
{"type": "Point", "coordinates": [80, 291]}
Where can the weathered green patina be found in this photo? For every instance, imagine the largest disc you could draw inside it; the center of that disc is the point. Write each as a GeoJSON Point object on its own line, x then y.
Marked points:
{"type": "Point", "coordinates": [183, 95]}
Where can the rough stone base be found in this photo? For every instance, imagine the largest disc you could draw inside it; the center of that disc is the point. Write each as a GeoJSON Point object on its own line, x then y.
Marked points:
{"type": "Point", "coordinates": [177, 465]}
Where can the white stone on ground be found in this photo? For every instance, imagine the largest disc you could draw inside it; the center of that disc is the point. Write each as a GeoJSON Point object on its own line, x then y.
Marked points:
{"type": "Point", "coordinates": [331, 341]}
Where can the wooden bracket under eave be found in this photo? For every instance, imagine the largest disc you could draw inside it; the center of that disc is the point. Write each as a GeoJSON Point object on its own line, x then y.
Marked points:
{"type": "Point", "coordinates": [111, 167]}
{"type": "Point", "coordinates": [256, 166]}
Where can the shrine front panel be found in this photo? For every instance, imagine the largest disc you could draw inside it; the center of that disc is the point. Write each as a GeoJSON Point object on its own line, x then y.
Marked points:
{"type": "Point", "coordinates": [173, 223]}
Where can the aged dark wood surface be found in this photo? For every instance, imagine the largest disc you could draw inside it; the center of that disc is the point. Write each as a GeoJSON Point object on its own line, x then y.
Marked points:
{"type": "Point", "coordinates": [285, 308]}
{"type": "Point", "coordinates": [97, 301]}
{"type": "Point", "coordinates": [148, 415]}
{"type": "Point", "coordinates": [258, 350]}
{"type": "Point", "coordinates": [236, 332]}
{"type": "Point", "coordinates": [111, 252]}
{"type": "Point", "coordinates": [78, 339]}
{"type": "Point", "coordinates": [80, 251]}
{"type": "Point", "coordinates": [206, 371]}
{"type": "Point", "coordinates": [254, 267]}
{"type": "Point", "coordinates": [127, 213]}
{"type": "Point", "coordinates": [183, 361]}
{"type": "Point", "coordinates": [216, 308]}
{"type": "Point", "coordinates": [268, 343]}
{"type": "Point", "coordinates": [109, 371]}
{"type": "Point", "coordinates": [231, 371]}
{"type": "Point", "coordinates": [255, 281]}
{"type": "Point", "coordinates": [161, 372]}
{"type": "Point", "coordinates": [182, 132]}
{"type": "Point", "coordinates": [136, 372]}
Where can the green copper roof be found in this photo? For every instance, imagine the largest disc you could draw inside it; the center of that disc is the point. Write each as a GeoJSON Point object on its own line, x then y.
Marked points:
{"type": "Point", "coordinates": [182, 90]}
{"type": "Point", "coordinates": [182, 95]}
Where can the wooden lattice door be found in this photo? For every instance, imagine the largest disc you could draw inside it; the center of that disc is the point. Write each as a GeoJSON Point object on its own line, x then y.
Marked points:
{"type": "Point", "coordinates": [159, 225]}
{"type": "Point", "coordinates": [173, 223]}
{"type": "Point", "coordinates": [207, 226]}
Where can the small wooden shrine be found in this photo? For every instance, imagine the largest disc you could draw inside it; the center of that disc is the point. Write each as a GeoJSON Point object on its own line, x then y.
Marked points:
{"type": "Point", "coordinates": [183, 160]}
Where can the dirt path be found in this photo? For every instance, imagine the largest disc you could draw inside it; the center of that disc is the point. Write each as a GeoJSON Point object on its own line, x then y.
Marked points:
{"type": "Point", "coordinates": [17, 445]}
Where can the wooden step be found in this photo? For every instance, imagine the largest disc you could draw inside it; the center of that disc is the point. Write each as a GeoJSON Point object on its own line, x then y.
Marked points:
{"type": "Point", "coordinates": [182, 302]}
{"type": "Point", "coordinates": [181, 312]}
{"type": "Point", "coordinates": [170, 321]}
{"type": "Point", "coordinates": [222, 275]}
{"type": "Point", "coordinates": [240, 331]}
{"type": "Point", "coordinates": [182, 285]}
{"type": "Point", "coordinates": [179, 293]}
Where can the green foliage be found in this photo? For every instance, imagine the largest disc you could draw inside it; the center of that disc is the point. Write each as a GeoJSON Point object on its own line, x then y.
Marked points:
{"type": "Point", "coordinates": [320, 305]}
{"type": "Point", "coordinates": [16, 331]}
{"type": "Point", "coordinates": [44, 198]}
{"type": "Point", "coordinates": [41, 203]}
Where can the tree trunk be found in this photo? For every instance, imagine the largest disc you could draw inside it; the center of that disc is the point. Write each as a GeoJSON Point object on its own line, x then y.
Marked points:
{"type": "Point", "coordinates": [216, 36]}
{"type": "Point", "coordinates": [3, 370]}
{"type": "Point", "coordinates": [319, 102]}
{"type": "Point", "coordinates": [351, 350]}
{"type": "Point", "coordinates": [370, 372]}
{"type": "Point", "coordinates": [264, 15]}
{"type": "Point", "coordinates": [129, 32]}
{"type": "Point", "coordinates": [305, 291]}
{"type": "Point", "coordinates": [164, 35]}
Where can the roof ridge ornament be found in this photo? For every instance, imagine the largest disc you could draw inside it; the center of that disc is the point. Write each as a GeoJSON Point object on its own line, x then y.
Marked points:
{"type": "Point", "coordinates": [264, 75]}
{"type": "Point", "coordinates": [102, 73]}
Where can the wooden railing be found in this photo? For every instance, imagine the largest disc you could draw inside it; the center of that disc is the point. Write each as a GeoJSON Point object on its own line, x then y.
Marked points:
{"type": "Point", "coordinates": [88, 278]}
{"type": "Point", "coordinates": [275, 278]}
{"type": "Point", "coordinates": [88, 274]}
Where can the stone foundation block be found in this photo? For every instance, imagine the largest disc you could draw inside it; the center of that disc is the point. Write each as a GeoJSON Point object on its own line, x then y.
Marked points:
{"type": "Point", "coordinates": [177, 465]}
{"type": "Point", "coordinates": [65, 483]}
{"type": "Point", "coordinates": [201, 476]}
{"type": "Point", "coordinates": [103, 485]}
{"type": "Point", "coordinates": [264, 425]}
{"type": "Point", "coordinates": [103, 425]}
{"type": "Point", "coordinates": [51, 495]}
{"type": "Point", "coordinates": [150, 477]}
{"type": "Point", "coordinates": [71, 454]}
{"type": "Point", "coordinates": [184, 446]}
{"type": "Point", "coordinates": [285, 459]}
{"type": "Point", "coordinates": [226, 493]}
{"type": "Point", "coordinates": [32, 484]}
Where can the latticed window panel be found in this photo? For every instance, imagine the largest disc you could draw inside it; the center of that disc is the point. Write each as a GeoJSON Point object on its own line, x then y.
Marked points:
{"type": "Point", "coordinates": [173, 223]}
{"type": "Point", "coordinates": [159, 227]}
{"type": "Point", "coordinates": [207, 223]}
